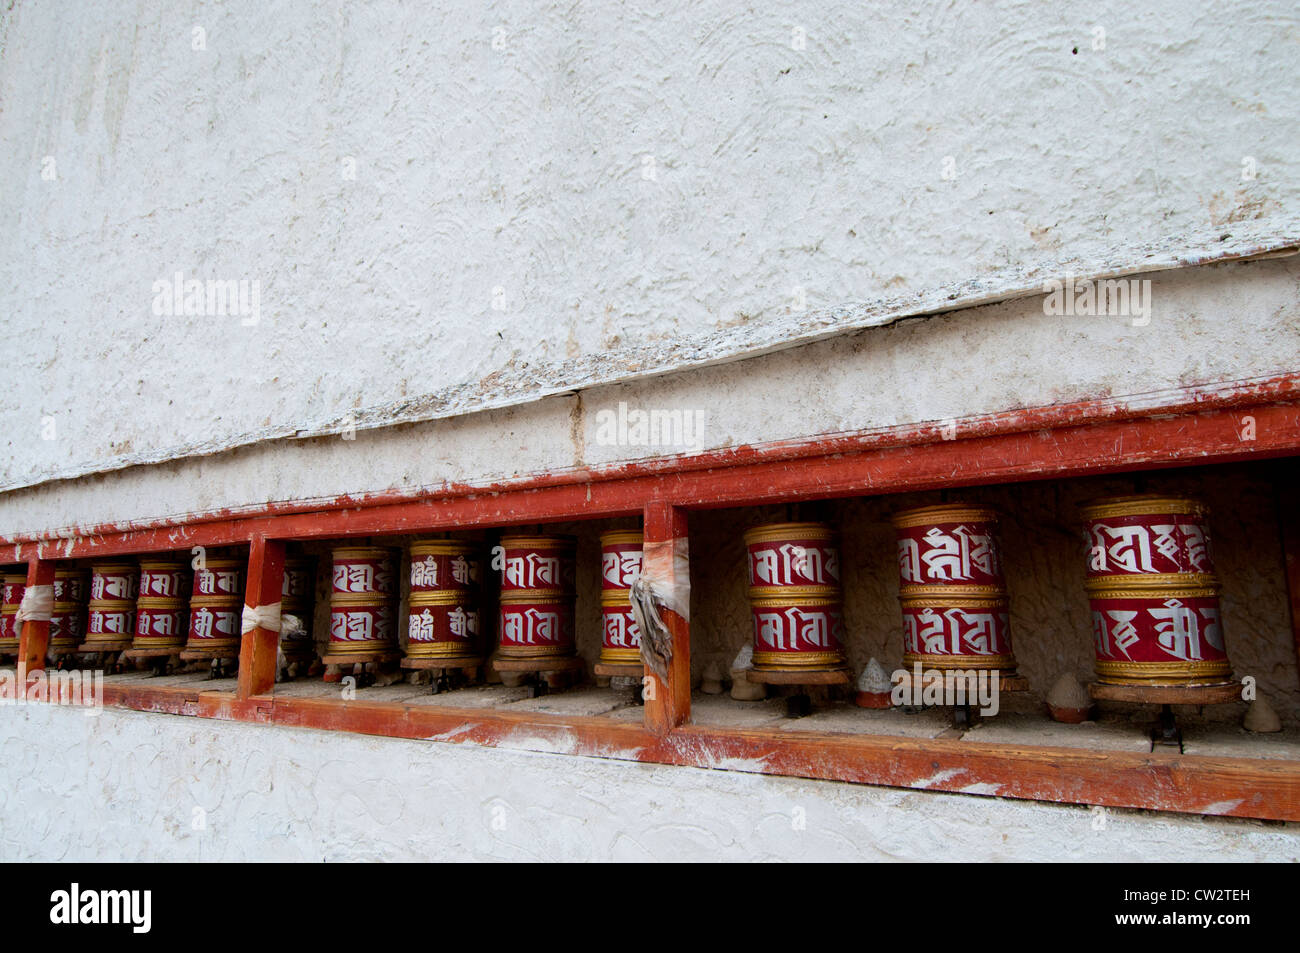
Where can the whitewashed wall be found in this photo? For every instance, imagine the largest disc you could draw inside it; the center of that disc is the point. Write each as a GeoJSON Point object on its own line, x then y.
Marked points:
{"type": "Point", "coordinates": [127, 785]}
{"type": "Point", "coordinates": [511, 146]}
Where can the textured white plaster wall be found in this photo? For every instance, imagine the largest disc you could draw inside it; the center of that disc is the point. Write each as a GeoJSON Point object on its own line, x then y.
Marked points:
{"type": "Point", "coordinates": [520, 165]}
{"type": "Point", "coordinates": [125, 785]}
{"type": "Point", "coordinates": [1210, 325]}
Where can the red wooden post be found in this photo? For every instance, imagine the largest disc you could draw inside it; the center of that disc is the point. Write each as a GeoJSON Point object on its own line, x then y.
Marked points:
{"type": "Point", "coordinates": [667, 706]}
{"type": "Point", "coordinates": [259, 647]}
{"type": "Point", "coordinates": [35, 636]}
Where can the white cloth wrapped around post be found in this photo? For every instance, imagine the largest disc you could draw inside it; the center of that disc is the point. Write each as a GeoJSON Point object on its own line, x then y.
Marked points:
{"type": "Point", "coordinates": [37, 605]}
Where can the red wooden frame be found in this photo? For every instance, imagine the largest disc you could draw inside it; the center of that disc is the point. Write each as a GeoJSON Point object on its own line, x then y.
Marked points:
{"type": "Point", "coordinates": [1249, 420]}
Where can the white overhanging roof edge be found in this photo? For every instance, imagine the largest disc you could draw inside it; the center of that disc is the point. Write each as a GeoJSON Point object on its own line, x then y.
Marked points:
{"type": "Point", "coordinates": [763, 336]}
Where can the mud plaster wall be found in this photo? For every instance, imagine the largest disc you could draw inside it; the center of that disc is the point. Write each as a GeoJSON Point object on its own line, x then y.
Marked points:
{"type": "Point", "coordinates": [126, 785]}
{"type": "Point", "coordinates": [1044, 562]}
{"type": "Point", "coordinates": [502, 238]}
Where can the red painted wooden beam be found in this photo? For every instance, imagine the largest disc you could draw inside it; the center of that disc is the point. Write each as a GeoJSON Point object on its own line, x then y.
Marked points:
{"type": "Point", "coordinates": [1200, 425]}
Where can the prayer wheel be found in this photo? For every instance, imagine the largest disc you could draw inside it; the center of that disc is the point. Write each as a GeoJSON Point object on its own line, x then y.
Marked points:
{"type": "Point", "coordinates": [535, 626]}
{"type": "Point", "coordinates": [443, 620]}
{"type": "Point", "coordinates": [110, 619]}
{"type": "Point", "coordinates": [794, 597]}
{"type": "Point", "coordinates": [298, 599]}
{"type": "Point", "coordinates": [952, 593]}
{"type": "Point", "coordinates": [363, 602]}
{"type": "Point", "coordinates": [68, 620]}
{"type": "Point", "coordinates": [1153, 592]}
{"type": "Point", "coordinates": [620, 565]}
{"type": "Point", "coordinates": [162, 609]}
{"type": "Point", "coordinates": [216, 608]}
{"type": "Point", "coordinates": [538, 564]}
{"type": "Point", "coordinates": [15, 584]}
{"type": "Point", "coordinates": [537, 603]}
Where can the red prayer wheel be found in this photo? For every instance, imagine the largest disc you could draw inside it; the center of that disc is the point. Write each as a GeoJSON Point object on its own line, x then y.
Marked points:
{"type": "Point", "coordinates": [298, 598]}
{"type": "Point", "coordinates": [443, 621]}
{"type": "Point", "coordinates": [620, 559]}
{"type": "Point", "coordinates": [446, 565]}
{"type": "Point", "coordinates": [794, 597]}
{"type": "Point", "coordinates": [442, 625]}
{"type": "Point", "coordinates": [68, 620]}
{"type": "Point", "coordinates": [538, 564]}
{"type": "Point", "coordinates": [1152, 538]}
{"type": "Point", "coordinates": [110, 619]}
{"type": "Point", "coordinates": [217, 608]}
{"type": "Point", "coordinates": [952, 592]}
{"type": "Point", "coordinates": [160, 623]}
{"type": "Point", "coordinates": [536, 625]}
{"type": "Point", "coordinates": [1153, 592]}
{"type": "Point", "coordinates": [363, 596]}
{"type": "Point", "coordinates": [620, 565]}
{"type": "Point", "coordinates": [162, 610]}
{"type": "Point", "coordinates": [15, 584]}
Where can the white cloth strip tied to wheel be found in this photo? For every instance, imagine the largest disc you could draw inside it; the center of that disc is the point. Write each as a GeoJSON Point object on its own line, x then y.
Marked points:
{"type": "Point", "coordinates": [664, 583]}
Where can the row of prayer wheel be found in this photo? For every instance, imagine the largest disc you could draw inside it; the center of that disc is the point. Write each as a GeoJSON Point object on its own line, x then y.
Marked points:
{"type": "Point", "coordinates": [1150, 583]}
{"type": "Point", "coordinates": [536, 606]}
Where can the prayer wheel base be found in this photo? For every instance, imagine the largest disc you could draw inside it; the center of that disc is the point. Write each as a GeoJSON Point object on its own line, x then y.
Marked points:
{"type": "Point", "coordinates": [165, 660]}
{"type": "Point", "coordinates": [462, 663]}
{"type": "Point", "coordinates": [120, 645]}
{"type": "Point", "coordinates": [771, 676]}
{"type": "Point", "coordinates": [207, 654]}
{"type": "Point", "coordinates": [619, 669]}
{"type": "Point", "coordinates": [353, 658]}
{"type": "Point", "coordinates": [1213, 694]}
{"type": "Point", "coordinates": [556, 671]}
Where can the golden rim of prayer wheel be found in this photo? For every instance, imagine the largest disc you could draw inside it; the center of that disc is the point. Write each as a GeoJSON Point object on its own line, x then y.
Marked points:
{"type": "Point", "coordinates": [775, 532]}
{"type": "Point", "coordinates": [1162, 673]}
{"type": "Point", "coordinates": [947, 662]}
{"type": "Point", "coordinates": [1151, 505]}
{"type": "Point", "coordinates": [457, 648]}
{"type": "Point", "coordinates": [950, 601]}
{"type": "Point", "coordinates": [539, 542]}
{"type": "Point", "coordinates": [1162, 592]}
{"type": "Point", "coordinates": [444, 547]}
{"type": "Point", "coordinates": [615, 598]}
{"type": "Point", "coordinates": [217, 602]}
{"type": "Point", "coordinates": [349, 599]}
{"type": "Point", "coordinates": [796, 600]}
{"type": "Point", "coordinates": [944, 513]}
{"type": "Point", "coordinates": [617, 536]}
{"type": "Point", "coordinates": [562, 650]}
{"type": "Point", "coordinates": [760, 593]}
{"type": "Point", "coordinates": [363, 552]}
{"type": "Point", "coordinates": [107, 569]}
{"type": "Point", "coordinates": [938, 591]}
{"type": "Point", "coordinates": [110, 605]}
{"type": "Point", "coordinates": [443, 597]}
{"type": "Point", "coordinates": [162, 602]}
{"type": "Point", "coordinates": [1154, 583]}
{"type": "Point", "coordinates": [621, 656]}
{"type": "Point", "coordinates": [797, 660]}
{"type": "Point", "coordinates": [524, 596]}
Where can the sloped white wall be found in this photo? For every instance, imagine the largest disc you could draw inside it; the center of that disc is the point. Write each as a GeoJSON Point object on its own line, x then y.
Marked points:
{"type": "Point", "coordinates": [545, 198]}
